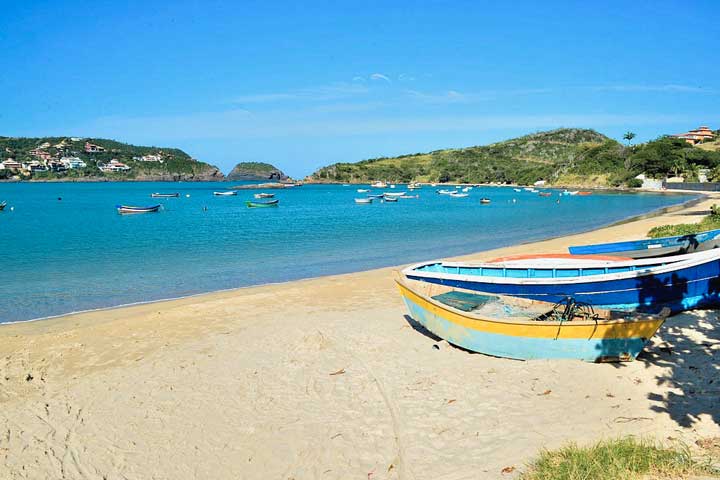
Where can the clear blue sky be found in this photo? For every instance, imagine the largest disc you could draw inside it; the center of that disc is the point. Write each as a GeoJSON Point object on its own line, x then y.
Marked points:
{"type": "Point", "coordinates": [304, 84]}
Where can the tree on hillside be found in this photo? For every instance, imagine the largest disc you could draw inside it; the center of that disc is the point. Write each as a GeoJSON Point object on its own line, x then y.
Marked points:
{"type": "Point", "coordinates": [628, 137]}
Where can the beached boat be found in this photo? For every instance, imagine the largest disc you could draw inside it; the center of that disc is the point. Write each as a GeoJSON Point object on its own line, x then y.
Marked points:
{"type": "Point", "coordinates": [271, 203]}
{"type": "Point", "coordinates": [363, 200]}
{"type": "Point", "coordinates": [224, 194]}
{"type": "Point", "coordinates": [655, 247]}
{"type": "Point", "coordinates": [681, 282]}
{"type": "Point", "coordinates": [164, 195]}
{"type": "Point", "coordinates": [391, 199]}
{"type": "Point", "coordinates": [485, 200]}
{"type": "Point", "coordinates": [362, 190]}
{"type": "Point", "coordinates": [133, 209]}
{"type": "Point", "coordinates": [459, 195]}
{"type": "Point", "coordinates": [523, 329]}
{"type": "Point", "coordinates": [264, 195]}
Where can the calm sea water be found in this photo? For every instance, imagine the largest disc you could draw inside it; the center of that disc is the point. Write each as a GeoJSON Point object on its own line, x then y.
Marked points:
{"type": "Point", "coordinates": [77, 253]}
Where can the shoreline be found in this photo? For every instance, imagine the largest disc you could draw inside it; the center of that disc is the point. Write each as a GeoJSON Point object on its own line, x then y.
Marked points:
{"type": "Point", "coordinates": [328, 377]}
{"type": "Point", "coordinates": [653, 213]}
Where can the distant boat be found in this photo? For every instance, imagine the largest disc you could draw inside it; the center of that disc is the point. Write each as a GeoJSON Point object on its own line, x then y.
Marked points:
{"type": "Point", "coordinates": [399, 194]}
{"type": "Point", "coordinates": [445, 192]}
{"type": "Point", "coordinates": [379, 184]}
{"type": "Point", "coordinates": [363, 200]}
{"type": "Point", "coordinates": [566, 192]}
{"type": "Point", "coordinates": [224, 194]}
{"type": "Point", "coordinates": [391, 199]}
{"type": "Point", "coordinates": [392, 186]}
{"type": "Point", "coordinates": [545, 194]}
{"type": "Point", "coordinates": [654, 247]}
{"type": "Point", "coordinates": [409, 196]}
{"type": "Point", "coordinates": [346, 184]}
{"type": "Point", "coordinates": [484, 200]}
{"type": "Point", "coordinates": [458, 195]}
{"type": "Point", "coordinates": [584, 193]}
{"type": "Point", "coordinates": [2, 206]}
{"type": "Point", "coordinates": [264, 195]}
{"type": "Point", "coordinates": [132, 209]}
{"type": "Point", "coordinates": [271, 203]}
{"type": "Point", "coordinates": [523, 329]}
{"type": "Point", "coordinates": [375, 195]}
{"type": "Point", "coordinates": [467, 189]}
{"type": "Point", "coordinates": [164, 195]}
{"type": "Point", "coordinates": [681, 282]}
{"type": "Point", "coordinates": [517, 190]}
{"type": "Point", "coordinates": [528, 189]}
{"type": "Point", "coordinates": [362, 190]}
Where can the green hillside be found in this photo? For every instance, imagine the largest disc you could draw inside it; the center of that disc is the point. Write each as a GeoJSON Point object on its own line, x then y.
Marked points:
{"type": "Point", "coordinates": [173, 163]}
{"type": "Point", "coordinates": [561, 157]}
{"type": "Point", "coordinates": [256, 171]}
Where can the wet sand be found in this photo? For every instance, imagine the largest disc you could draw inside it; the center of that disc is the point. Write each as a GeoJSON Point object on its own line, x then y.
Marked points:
{"type": "Point", "coordinates": [327, 378]}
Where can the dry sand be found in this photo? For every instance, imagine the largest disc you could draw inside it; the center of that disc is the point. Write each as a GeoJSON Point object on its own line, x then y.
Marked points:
{"type": "Point", "coordinates": [326, 378]}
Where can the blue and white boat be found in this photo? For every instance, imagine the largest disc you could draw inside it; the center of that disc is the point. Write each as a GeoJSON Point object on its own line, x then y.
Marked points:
{"type": "Point", "coordinates": [655, 247]}
{"type": "Point", "coordinates": [681, 282]}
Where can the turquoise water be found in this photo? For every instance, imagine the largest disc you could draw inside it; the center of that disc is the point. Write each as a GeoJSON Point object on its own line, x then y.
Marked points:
{"type": "Point", "coordinates": [77, 253]}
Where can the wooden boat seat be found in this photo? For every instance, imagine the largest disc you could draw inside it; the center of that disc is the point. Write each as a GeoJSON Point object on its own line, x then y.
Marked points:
{"type": "Point", "coordinates": [467, 302]}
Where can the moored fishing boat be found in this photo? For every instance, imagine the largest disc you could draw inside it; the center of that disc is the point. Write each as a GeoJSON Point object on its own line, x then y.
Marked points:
{"type": "Point", "coordinates": [523, 329]}
{"type": "Point", "coordinates": [485, 200]}
{"type": "Point", "coordinates": [445, 192]}
{"type": "Point", "coordinates": [394, 194]}
{"type": "Point", "coordinates": [164, 195]}
{"type": "Point", "coordinates": [379, 184]}
{"type": "Point", "coordinates": [409, 196]}
{"type": "Point", "coordinates": [380, 195]}
{"type": "Point", "coordinates": [224, 194]}
{"type": "Point", "coordinates": [134, 209]}
{"type": "Point", "coordinates": [271, 203]}
{"type": "Point", "coordinates": [3, 204]}
{"type": "Point", "coordinates": [681, 282]}
{"type": "Point", "coordinates": [654, 247]}
{"type": "Point", "coordinates": [517, 190]}
{"type": "Point", "coordinates": [363, 200]}
{"type": "Point", "coordinates": [391, 199]}
{"type": "Point", "coordinates": [584, 193]}
{"type": "Point", "coordinates": [362, 190]}
{"type": "Point", "coordinates": [458, 195]}
{"type": "Point", "coordinates": [545, 194]}
{"type": "Point", "coordinates": [264, 195]}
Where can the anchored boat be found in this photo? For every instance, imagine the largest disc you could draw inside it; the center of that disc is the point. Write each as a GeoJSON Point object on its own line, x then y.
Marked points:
{"type": "Point", "coordinates": [271, 203]}
{"type": "Point", "coordinates": [3, 204]}
{"type": "Point", "coordinates": [363, 200]}
{"type": "Point", "coordinates": [526, 329]}
{"type": "Point", "coordinates": [655, 247]}
{"type": "Point", "coordinates": [164, 195]}
{"type": "Point", "coordinates": [132, 209]}
{"type": "Point", "coordinates": [264, 195]}
{"type": "Point", "coordinates": [681, 282]}
{"type": "Point", "coordinates": [224, 194]}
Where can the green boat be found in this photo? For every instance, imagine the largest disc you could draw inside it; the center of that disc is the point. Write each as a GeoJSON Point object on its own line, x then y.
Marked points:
{"type": "Point", "coordinates": [271, 203]}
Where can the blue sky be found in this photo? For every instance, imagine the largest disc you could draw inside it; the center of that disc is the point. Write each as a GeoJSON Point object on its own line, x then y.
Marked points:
{"type": "Point", "coordinates": [304, 84]}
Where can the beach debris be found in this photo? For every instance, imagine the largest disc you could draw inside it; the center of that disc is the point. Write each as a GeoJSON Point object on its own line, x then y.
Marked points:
{"type": "Point", "coordinates": [508, 469]}
{"type": "Point", "coordinates": [392, 465]}
{"type": "Point", "coordinates": [667, 349]}
{"type": "Point", "coordinates": [452, 400]}
{"type": "Point", "coordinates": [610, 395]}
{"type": "Point", "coordinates": [339, 372]}
{"type": "Point", "coordinates": [546, 392]}
{"type": "Point", "coordinates": [29, 377]}
{"type": "Point", "coordinates": [336, 435]}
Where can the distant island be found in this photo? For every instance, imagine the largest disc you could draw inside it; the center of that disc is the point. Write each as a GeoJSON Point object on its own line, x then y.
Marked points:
{"type": "Point", "coordinates": [256, 171]}
{"type": "Point", "coordinates": [97, 159]}
{"type": "Point", "coordinates": [566, 156]}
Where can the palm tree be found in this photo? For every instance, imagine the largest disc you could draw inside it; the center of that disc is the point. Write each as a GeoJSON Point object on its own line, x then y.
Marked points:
{"type": "Point", "coordinates": [628, 136]}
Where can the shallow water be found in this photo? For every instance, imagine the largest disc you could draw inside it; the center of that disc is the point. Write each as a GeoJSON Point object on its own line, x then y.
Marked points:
{"type": "Point", "coordinates": [77, 253]}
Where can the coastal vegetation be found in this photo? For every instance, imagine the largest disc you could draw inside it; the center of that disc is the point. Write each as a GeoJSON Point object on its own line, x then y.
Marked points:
{"type": "Point", "coordinates": [71, 158]}
{"type": "Point", "coordinates": [710, 222]}
{"type": "Point", "coordinates": [567, 156]}
{"type": "Point", "coordinates": [619, 459]}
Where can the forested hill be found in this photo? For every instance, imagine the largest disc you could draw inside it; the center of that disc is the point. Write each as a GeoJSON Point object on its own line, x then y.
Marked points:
{"type": "Point", "coordinates": [256, 171]}
{"type": "Point", "coordinates": [72, 158]}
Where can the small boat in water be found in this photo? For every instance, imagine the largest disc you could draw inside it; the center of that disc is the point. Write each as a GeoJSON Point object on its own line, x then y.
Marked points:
{"type": "Point", "coordinates": [445, 192]}
{"type": "Point", "coordinates": [391, 199]}
{"type": "Point", "coordinates": [458, 195]}
{"type": "Point", "coordinates": [224, 194]}
{"type": "Point", "coordinates": [409, 196]}
{"type": "Point", "coordinates": [3, 204]}
{"type": "Point", "coordinates": [264, 195]}
{"type": "Point", "coordinates": [380, 195]}
{"type": "Point", "coordinates": [164, 195]}
{"type": "Point", "coordinates": [654, 247]}
{"type": "Point", "coordinates": [545, 194]}
{"type": "Point", "coordinates": [379, 184]}
{"type": "Point", "coordinates": [517, 190]}
{"type": "Point", "coordinates": [271, 203]}
{"type": "Point", "coordinates": [523, 329]}
{"type": "Point", "coordinates": [133, 209]}
{"type": "Point", "coordinates": [485, 200]}
{"type": "Point", "coordinates": [363, 200]}
{"type": "Point", "coordinates": [398, 194]}
{"type": "Point", "coordinates": [681, 282]}
{"type": "Point", "coordinates": [584, 193]}
{"type": "Point", "coordinates": [362, 190]}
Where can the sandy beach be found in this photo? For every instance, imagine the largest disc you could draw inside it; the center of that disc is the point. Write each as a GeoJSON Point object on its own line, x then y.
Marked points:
{"type": "Point", "coordinates": [327, 378]}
